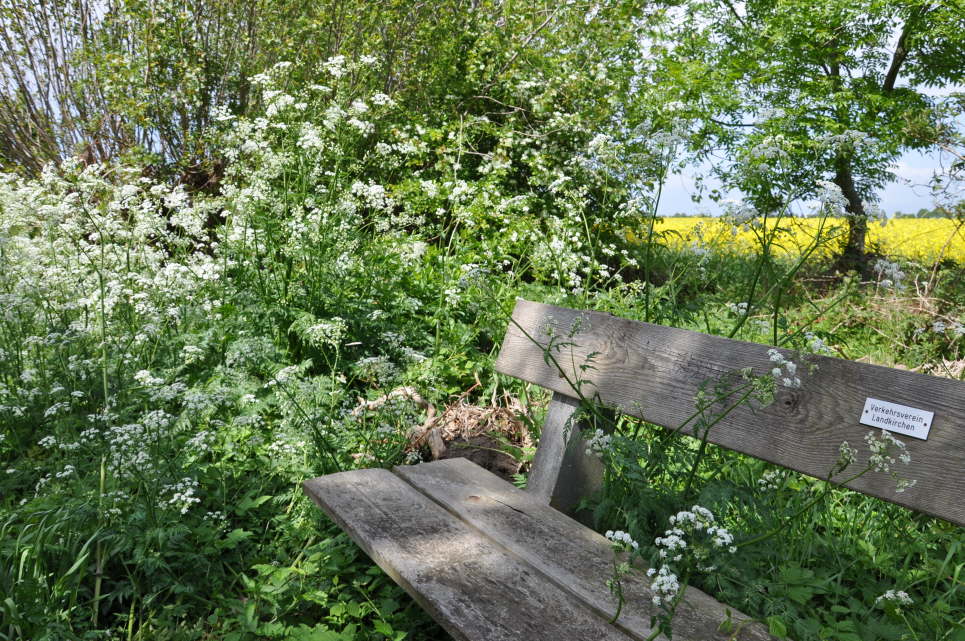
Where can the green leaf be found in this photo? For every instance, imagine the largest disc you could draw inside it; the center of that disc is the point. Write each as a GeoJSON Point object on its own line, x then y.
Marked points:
{"type": "Point", "coordinates": [246, 504]}
{"type": "Point", "coordinates": [800, 594]}
{"type": "Point", "coordinates": [233, 538]}
{"type": "Point", "coordinates": [317, 633]}
{"type": "Point", "coordinates": [353, 609]}
{"type": "Point", "coordinates": [776, 626]}
{"type": "Point", "coordinates": [383, 628]}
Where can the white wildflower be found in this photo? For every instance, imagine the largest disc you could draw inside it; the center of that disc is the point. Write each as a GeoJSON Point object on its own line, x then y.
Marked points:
{"type": "Point", "coordinates": [815, 344]}
{"type": "Point", "coordinates": [382, 100]}
{"type": "Point", "coordinates": [889, 274]}
{"type": "Point", "coordinates": [180, 495]}
{"type": "Point", "coordinates": [739, 309]}
{"type": "Point", "coordinates": [831, 199]}
{"type": "Point", "coordinates": [68, 470]}
{"type": "Point", "coordinates": [770, 480]}
{"type": "Point", "coordinates": [335, 66]}
{"type": "Point", "coordinates": [598, 443]}
{"type": "Point", "coordinates": [785, 369]}
{"type": "Point", "coordinates": [665, 585]}
{"type": "Point", "coordinates": [622, 538]}
{"type": "Point", "coordinates": [898, 596]}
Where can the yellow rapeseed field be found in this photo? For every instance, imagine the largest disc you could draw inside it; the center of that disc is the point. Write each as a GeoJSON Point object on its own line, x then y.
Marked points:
{"type": "Point", "coordinates": [919, 239]}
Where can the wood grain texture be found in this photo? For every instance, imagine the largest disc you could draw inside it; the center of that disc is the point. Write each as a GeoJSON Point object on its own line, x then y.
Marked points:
{"type": "Point", "coordinates": [470, 585]}
{"type": "Point", "coordinates": [654, 372]}
{"type": "Point", "coordinates": [562, 472]}
{"type": "Point", "coordinates": [571, 556]}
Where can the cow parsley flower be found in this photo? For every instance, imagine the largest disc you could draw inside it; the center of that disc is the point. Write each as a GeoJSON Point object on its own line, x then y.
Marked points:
{"type": "Point", "coordinates": [382, 100]}
{"type": "Point", "coordinates": [335, 66]}
{"type": "Point", "coordinates": [180, 495]}
{"type": "Point", "coordinates": [881, 458]}
{"type": "Point", "coordinates": [598, 443]}
{"type": "Point", "coordinates": [621, 538]}
{"type": "Point", "coordinates": [897, 596]}
{"type": "Point", "coordinates": [886, 452]}
{"type": "Point", "coordinates": [665, 584]}
{"type": "Point", "coordinates": [815, 344]}
{"type": "Point", "coordinates": [889, 274]}
{"type": "Point", "coordinates": [831, 198]}
{"type": "Point", "coordinates": [770, 480]}
{"type": "Point", "coordinates": [785, 370]}
{"type": "Point", "coordinates": [68, 470]}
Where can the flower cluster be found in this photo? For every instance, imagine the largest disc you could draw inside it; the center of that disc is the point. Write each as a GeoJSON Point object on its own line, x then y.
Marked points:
{"type": "Point", "coordinates": [739, 309]}
{"type": "Point", "coordinates": [180, 495]}
{"type": "Point", "coordinates": [886, 452]}
{"type": "Point", "coordinates": [847, 455]}
{"type": "Point", "coordinates": [665, 585]}
{"type": "Point", "coordinates": [621, 538]}
{"type": "Point", "coordinates": [784, 370]}
{"type": "Point", "coordinates": [899, 597]}
{"type": "Point", "coordinates": [707, 538]}
{"type": "Point", "coordinates": [771, 149]}
{"type": "Point", "coordinates": [881, 458]}
{"type": "Point", "coordinates": [889, 274]}
{"type": "Point", "coordinates": [816, 344]}
{"type": "Point", "coordinates": [940, 327]}
{"type": "Point", "coordinates": [831, 199]}
{"type": "Point", "coordinates": [598, 443]}
{"type": "Point", "coordinates": [770, 480]}
{"type": "Point", "coordinates": [741, 215]}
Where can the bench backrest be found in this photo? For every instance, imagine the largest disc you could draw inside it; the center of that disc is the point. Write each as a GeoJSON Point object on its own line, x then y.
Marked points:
{"type": "Point", "coordinates": [655, 372]}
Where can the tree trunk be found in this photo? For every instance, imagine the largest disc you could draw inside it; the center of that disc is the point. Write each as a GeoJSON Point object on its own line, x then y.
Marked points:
{"type": "Point", "coordinates": [853, 257]}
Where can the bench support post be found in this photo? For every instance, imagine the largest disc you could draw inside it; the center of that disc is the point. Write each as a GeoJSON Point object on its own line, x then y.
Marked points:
{"type": "Point", "coordinates": [562, 472]}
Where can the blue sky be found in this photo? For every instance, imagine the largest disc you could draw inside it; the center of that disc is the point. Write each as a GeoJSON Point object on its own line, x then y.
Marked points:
{"type": "Point", "coordinates": [908, 194]}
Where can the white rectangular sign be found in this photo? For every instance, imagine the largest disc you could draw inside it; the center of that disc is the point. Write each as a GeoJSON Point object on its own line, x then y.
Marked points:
{"type": "Point", "coordinates": [897, 418]}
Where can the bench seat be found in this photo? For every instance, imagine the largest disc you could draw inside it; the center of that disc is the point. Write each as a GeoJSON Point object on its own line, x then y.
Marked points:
{"type": "Point", "coordinates": [491, 562]}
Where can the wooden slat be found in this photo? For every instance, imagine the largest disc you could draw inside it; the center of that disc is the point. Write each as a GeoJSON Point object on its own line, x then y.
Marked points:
{"type": "Point", "coordinates": [654, 372]}
{"type": "Point", "coordinates": [570, 555]}
{"type": "Point", "coordinates": [471, 586]}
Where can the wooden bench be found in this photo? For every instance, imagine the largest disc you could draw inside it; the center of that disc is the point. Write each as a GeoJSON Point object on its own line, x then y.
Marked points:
{"type": "Point", "coordinates": [489, 561]}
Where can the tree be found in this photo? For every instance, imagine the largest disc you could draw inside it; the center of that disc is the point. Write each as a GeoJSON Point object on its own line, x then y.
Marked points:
{"type": "Point", "coordinates": [104, 79]}
{"type": "Point", "coordinates": [798, 91]}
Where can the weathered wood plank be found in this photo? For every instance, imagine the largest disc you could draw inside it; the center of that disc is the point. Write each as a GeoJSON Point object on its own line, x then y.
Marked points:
{"type": "Point", "coordinates": [573, 557]}
{"type": "Point", "coordinates": [562, 473]}
{"type": "Point", "coordinates": [654, 372]}
{"type": "Point", "coordinates": [470, 585]}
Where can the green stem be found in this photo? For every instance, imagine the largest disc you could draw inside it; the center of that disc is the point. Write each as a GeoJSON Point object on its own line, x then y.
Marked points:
{"type": "Point", "coordinates": [908, 625]}
{"type": "Point", "coordinates": [827, 488]}
{"type": "Point", "coordinates": [646, 261]}
{"type": "Point", "coordinates": [99, 552]}
{"type": "Point", "coordinates": [703, 441]}
{"type": "Point", "coordinates": [617, 588]}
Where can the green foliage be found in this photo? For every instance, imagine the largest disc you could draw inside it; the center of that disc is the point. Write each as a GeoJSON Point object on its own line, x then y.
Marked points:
{"type": "Point", "coordinates": [362, 190]}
